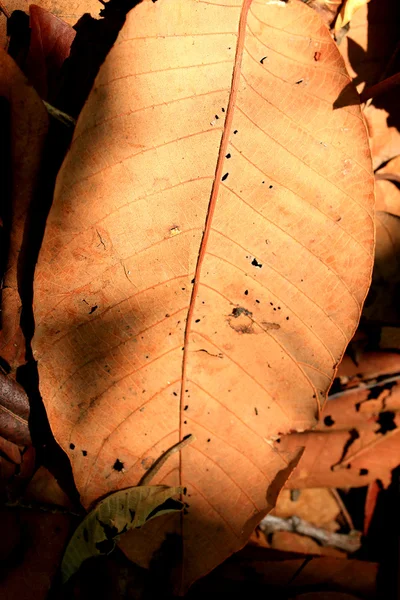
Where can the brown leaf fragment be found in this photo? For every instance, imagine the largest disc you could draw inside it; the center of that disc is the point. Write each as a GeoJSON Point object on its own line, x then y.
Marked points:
{"type": "Point", "coordinates": [28, 119]}
{"type": "Point", "coordinates": [14, 411]}
{"type": "Point", "coordinates": [50, 44]}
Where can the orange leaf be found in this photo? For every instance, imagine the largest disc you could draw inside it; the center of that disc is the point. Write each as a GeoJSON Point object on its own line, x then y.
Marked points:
{"type": "Point", "coordinates": [205, 261]}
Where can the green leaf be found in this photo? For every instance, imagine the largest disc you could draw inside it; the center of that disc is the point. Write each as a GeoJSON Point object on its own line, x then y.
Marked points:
{"type": "Point", "coordinates": [116, 514]}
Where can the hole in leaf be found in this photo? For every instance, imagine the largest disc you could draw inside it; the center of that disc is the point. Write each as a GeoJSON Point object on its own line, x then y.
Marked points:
{"type": "Point", "coordinates": [118, 465]}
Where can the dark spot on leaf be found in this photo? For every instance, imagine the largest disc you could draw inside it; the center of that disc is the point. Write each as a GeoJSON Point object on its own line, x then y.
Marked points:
{"type": "Point", "coordinates": [216, 116]}
{"type": "Point", "coordinates": [84, 452]}
{"type": "Point", "coordinates": [174, 393]}
{"type": "Point", "coordinates": [186, 407]}
{"type": "Point", "coordinates": [270, 187]}
{"type": "Point", "coordinates": [192, 280]}
{"type": "Point", "coordinates": [256, 411]}
{"type": "Point", "coordinates": [72, 446]}
{"type": "Point", "coordinates": [328, 421]}
{"type": "Point", "coordinates": [240, 310]}
{"type": "Point", "coordinates": [93, 309]}
{"type": "Point", "coordinates": [386, 422]}
{"type": "Point", "coordinates": [255, 263]}
{"type": "Point", "coordinates": [287, 318]}
{"type": "Point", "coordinates": [132, 513]}
{"type": "Point", "coordinates": [197, 321]}
{"type": "Point", "coordinates": [224, 177]}
{"type": "Point", "coordinates": [278, 441]}
{"type": "Point", "coordinates": [258, 302]}
{"type": "Point", "coordinates": [235, 132]}
{"type": "Point", "coordinates": [262, 60]}
{"type": "Point", "coordinates": [246, 292]}
{"type": "Point", "coordinates": [223, 110]}
{"type": "Point", "coordinates": [364, 471]}
{"type": "Point", "coordinates": [118, 465]}
{"type": "Point", "coordinates": [317, 56]}
{"type": "Point", "coordinates": [228, 155]}
{"type": "Point", "coordinates": [348, 466]}
{"type": "Point", "coordinates": [299, 81]}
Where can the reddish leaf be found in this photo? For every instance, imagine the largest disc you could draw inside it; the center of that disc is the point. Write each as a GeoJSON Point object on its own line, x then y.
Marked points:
{"type": "Point", "coordinates": [50, 45]}
{"type": "Point", "coordinates": [205, 261]}
{"type": "Point", "coordinates": [28, 120]}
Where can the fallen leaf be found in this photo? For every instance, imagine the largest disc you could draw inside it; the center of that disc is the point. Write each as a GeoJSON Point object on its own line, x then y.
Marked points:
{"type": "Point", "coordinates": [113, 516]}
{"type": "Point", "coordinates": [317, 506]}
{"type": "Point", "coordinates": [69, 11]}
{"type": "Point", "coordinates": [142, 336]}
{"type": "Point", "coordinates": [43, 488]}
{"type": "Point", "coordinates": [387, 187]}
{"type": "Point", "coordinates": [349, 7]}
{"type": "Point", "coordinates": [327, 9]}
{"type": "Point", "coordinates": [14, 412]}
{"type": "Point", "coordinates": [353, 444]}
{"type": "Point", "coordinates": [34, 558]}
{"type": "Point", "coordinates": [25, 121]}
{"type": "Point", "coordinates": [289, 571]}
{"type": "Point", "coordinates": [383, 301]}
{"type": "Point", "coordinates": [50, 44]}
{"type": "Point", "coordinates": [370, 53]}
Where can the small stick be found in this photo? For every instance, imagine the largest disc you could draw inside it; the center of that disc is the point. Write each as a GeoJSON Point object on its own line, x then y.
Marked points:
{"type": "Point", "coordinates": [348, 543]}
{"type": "Point", "coordinates": [156, 466]}
{"type": "Point", "coordinates": [364, 386]}
{"type": "Point", "coordinates": [343, 508]}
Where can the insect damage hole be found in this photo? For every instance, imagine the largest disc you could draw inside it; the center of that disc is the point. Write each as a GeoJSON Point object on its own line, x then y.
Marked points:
{"type": "Point", "coordinates": [257, 264]}
{"type": "Point", "coordinates": [118, 466]}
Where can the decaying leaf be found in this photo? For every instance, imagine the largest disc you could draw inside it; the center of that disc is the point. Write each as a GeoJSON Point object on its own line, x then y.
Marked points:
{"type": "Point", "coordinates": [113, 516]}
{"type": "Point", "coordinates": [205, 260]}
{"type": "Point", "coordinates": [24, 114]}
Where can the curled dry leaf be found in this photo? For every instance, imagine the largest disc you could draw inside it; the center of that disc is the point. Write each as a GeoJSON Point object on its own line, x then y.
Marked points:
{"type": "Point", "coordinates": [205, 260]}
{"type": "Point", "coordinates": [113, 516]}
{"type": "Point", "coordinates": [25, 112]}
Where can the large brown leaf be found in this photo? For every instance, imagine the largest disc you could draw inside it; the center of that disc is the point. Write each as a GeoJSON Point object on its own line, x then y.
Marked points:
{"type": "Point", "coordinates": [205, 260]}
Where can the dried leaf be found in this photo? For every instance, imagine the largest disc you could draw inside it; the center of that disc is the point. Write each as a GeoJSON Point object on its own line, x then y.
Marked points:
{"type": "Point", "coordinates": [113, 516]}
{"type": "Point", "coordinates": [205, 261]}
{"type": "Point", "coordinates": [317, 506]}
{"type": "Point", "coordinates": [383, 301]}
{"type": "Point", "coordinates": [50, 44]}
{"type": "Point", "coordinates": [26, 116]}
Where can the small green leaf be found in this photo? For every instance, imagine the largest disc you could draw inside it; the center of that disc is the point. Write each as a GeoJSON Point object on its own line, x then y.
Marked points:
{"type": "Point", "coordinates": [113, 516]}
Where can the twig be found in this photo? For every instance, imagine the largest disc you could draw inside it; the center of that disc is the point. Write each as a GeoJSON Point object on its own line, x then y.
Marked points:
{"type": "Point", "coordinates": [380, 88]}
{"type": "Point", "coordinates": [365, 386]}
{"type": "Point", "coordinates": [48, 508]}
{"type": "Point", "coordinates": [156, 466]}
{"type": "Point", "coordinates": [343, 508]}
{"type": "Point", "coordinates": [347, 542]}
{"type": "Point", "coordinates": [59, 114]}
